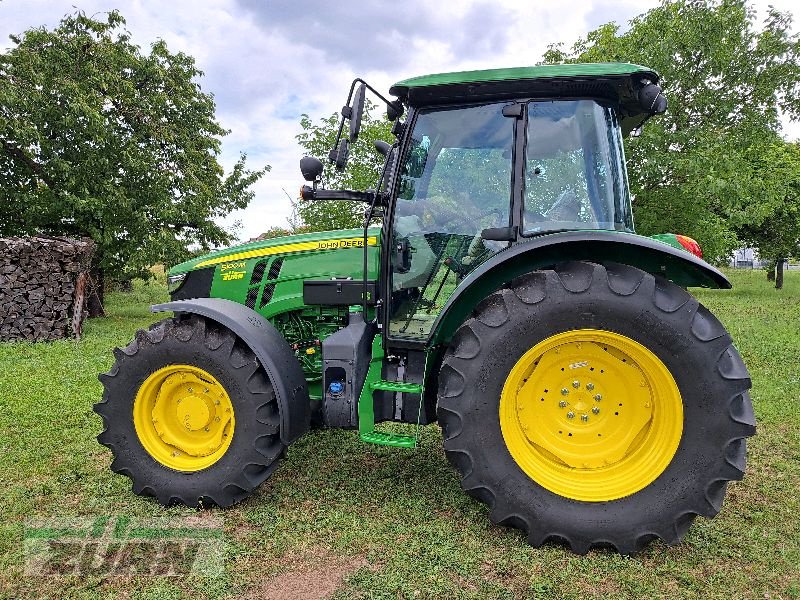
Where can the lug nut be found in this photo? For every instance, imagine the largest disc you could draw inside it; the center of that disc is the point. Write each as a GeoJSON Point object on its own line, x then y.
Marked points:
{"type": "Point", "coordinates": [563, 404]}
{"type": "Point", "coordinates": [596, 410]}
{"type": "Point", "coordinates": [570, 415]}
{"type": "Point", "coordinates": [590, 386]}
{"type": "Point", "coordinates": [597, 397]}
{"type": "Point", "coordinates": [564, 391]}
{"type": "Point", "coordinates": [190, 390]}
{"type": "Point", "coordinates": [585, 418]}
{"type": "Point", "coordinates": [576, 384]}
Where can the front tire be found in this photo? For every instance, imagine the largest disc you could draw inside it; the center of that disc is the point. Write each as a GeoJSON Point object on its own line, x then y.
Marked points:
{"type": "Point", "coordinates": [524, 407]}
{"type": "Point", "coordinates": [190, 414]}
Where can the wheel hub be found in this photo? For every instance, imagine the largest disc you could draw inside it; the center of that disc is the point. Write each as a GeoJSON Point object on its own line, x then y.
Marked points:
{"type": "Point", "coordinates": [580, 415]}
{"type": "Point", "coordinates": [184, 417]}
{"type": "Point", "coordinates": [194, 412]}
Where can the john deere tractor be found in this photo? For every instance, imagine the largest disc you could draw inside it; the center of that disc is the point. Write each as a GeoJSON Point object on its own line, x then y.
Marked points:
{"type": "Point", "coordinates": [497, 287]}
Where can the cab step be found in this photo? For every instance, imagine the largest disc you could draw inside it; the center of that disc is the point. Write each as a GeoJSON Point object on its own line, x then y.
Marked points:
{"type": "Point", "coordinates": [389, 439]}
{"type": "Point", "coordinates": [392, 439]}
{"type": "Point", "coordinates": [366, 412]}
{"type": "Point", "coordinates": [396, 386]}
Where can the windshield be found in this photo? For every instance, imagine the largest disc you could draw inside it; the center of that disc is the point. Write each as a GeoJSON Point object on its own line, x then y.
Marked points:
{"type": "Point", "coordinates": [455, 181]}
{"type": "Point", "coordinates": [575, 174]}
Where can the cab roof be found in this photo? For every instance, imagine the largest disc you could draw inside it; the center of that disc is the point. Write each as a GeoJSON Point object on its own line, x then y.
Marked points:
{"type": "Point", "coordinates": [618, 82]}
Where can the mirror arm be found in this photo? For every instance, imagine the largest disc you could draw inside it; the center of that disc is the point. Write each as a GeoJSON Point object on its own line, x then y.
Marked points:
{"type": "Point", "coordinates": [395, 104]}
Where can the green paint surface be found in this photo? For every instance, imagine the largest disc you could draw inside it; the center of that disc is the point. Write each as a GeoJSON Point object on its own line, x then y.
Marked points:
{"type": "Point", "coordinates": [521, 73]}
{"type": "Point", "coordinates": [317, 236]}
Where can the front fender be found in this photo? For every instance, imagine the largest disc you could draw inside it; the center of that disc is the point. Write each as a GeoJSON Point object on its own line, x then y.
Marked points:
{"type": "Point", "coordinates": [544, 251]}
{"type": "Point", "coordinates": [272, 351]}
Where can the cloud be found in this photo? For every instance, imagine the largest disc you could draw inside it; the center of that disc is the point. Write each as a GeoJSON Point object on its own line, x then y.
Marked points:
{"type": "Point", "coordinates": [606, 11]}
{"type": "Point", "coordinates": [268, 61]}
{"type": "Point", "coordinates": [379, 35]}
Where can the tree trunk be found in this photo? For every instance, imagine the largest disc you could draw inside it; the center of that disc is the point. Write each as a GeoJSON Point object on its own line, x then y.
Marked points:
{"type": "Point", "coordinates": [779, 274]}
{"type": "Point", "coordinates": [96, 296]}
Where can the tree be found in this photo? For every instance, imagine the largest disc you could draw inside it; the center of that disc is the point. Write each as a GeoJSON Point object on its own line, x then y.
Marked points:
{"type": "Point", "coordinates": [777, 237]}
{"type": "Point", "coordinates": [102, 140]}
{"type": "Point", "coordinates": [726, 81]}
{"type": "Point", "coordinates": [362, 172]}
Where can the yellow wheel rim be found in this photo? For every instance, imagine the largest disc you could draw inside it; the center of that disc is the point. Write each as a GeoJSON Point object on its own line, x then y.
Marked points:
{"type": "Point", "coordinates": [591, 415]}
{"type": "Point", "coordinates": [184, 418]}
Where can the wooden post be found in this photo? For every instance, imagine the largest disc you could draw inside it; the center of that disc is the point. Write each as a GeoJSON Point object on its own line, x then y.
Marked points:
{"type": "Point", "coordinates": [77, 307]}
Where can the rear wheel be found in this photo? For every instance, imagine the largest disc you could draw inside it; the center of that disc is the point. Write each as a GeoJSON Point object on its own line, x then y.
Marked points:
{"type": "Point", "coordinates": [190, 414]}
{"type": "Point", "coordinates": [595, 405]}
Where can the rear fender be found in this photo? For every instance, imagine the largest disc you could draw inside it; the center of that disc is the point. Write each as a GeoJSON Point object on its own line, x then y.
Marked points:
{"type": "Point", "coordinates": [272, 351]}
{"type": "Point", "coordinates": [644, 253]}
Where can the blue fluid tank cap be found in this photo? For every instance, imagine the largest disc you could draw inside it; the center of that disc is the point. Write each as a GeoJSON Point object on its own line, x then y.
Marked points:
{"type": "Point", "coordinates": [336, 387]}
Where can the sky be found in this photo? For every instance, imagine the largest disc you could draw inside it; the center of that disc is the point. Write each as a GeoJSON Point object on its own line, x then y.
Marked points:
{"type": "Point", "coordinates": [268, 61]}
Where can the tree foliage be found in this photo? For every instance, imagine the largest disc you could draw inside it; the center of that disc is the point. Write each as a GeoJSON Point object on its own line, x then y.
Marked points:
{"type": "Point", "coordinates": [103, 140]}
{"type": "Point", "coordinates": [727, 80]}
{"type": "Point", "coordinates": [363, 169]}
{"type": "Point", "coordinates": [777, 236]}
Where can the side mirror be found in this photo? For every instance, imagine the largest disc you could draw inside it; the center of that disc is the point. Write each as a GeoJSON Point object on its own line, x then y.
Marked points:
{"type": "Point", "coordinates": [311, 168]}
{"type": "Point", "coordinates": [652, 99]}
{"type": "Point", "coordinates": [356, 112]}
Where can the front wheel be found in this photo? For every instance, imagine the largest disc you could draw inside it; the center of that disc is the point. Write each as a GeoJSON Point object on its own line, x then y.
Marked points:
{"type": "Point", "coordinates": [595, 405]}
{"type": "Point", "coordinates": [190, 414]}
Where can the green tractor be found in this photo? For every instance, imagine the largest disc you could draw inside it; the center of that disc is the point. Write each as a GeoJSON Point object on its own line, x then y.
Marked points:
{"type": "Point", "coordinates": [497, 287]}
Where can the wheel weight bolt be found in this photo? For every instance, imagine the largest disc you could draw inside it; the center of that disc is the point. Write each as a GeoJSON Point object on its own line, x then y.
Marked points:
{"type": "Point", "coordinates": [576, 384]}
{"type": "Point", "coordinates": [563, 404]}
{"type": "Point", "coordinates": [585, 418]}
{"type": "Point", "coordinates": [596, 410]}
{"type": "Point", "coordinates": [570, 415]}
{"type": "Point", "coordinates": [564, 391]}
{"type": "Point", "coordinates": [597, 397]}
{"type": "Point", "coordinates": [590, 386]}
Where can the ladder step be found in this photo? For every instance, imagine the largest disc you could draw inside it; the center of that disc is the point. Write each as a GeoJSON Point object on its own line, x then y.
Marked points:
{"type": "Point", "coordinates": [396, 386]}
{"type": "Point", "coordinates": [390, 439]}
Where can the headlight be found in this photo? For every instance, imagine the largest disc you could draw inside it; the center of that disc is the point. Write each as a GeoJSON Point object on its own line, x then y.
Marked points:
{"type": "Point", "coordinates": [175, 281]}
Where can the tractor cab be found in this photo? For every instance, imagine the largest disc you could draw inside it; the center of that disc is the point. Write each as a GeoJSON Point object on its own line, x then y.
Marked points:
{"type": "Point", "coordinates": [466, 190]}
{"type": "Point", "coordinates": [486, 160]}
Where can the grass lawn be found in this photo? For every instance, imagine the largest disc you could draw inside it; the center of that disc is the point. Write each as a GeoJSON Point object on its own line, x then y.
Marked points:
{"type": "Point", "coordinates": [369, 522]}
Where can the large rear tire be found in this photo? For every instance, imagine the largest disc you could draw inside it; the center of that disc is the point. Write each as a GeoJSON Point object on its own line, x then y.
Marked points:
{"type": "Point", "coordinates": [190, 414]}
{"type": "Point", "coordinates": [596, 406]}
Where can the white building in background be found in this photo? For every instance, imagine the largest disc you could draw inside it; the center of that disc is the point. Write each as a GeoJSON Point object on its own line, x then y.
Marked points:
{"type": "Point", "coordinates": [745, 257]}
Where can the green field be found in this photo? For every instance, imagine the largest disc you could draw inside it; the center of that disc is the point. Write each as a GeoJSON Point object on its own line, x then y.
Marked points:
{"type": "Point", "coordinates": [360, 521]}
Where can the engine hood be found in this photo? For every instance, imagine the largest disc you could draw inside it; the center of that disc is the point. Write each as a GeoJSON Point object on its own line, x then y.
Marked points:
{"type": "Point", "coordinates": [303, 242]}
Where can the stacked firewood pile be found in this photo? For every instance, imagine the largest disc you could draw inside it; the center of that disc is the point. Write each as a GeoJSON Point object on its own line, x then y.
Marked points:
{"type": "Point", "coordinates": [43, 287]}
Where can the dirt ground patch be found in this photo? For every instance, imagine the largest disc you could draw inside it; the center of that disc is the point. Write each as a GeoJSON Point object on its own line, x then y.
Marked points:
{"type": "Point", "coordinates": [309, 578]}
